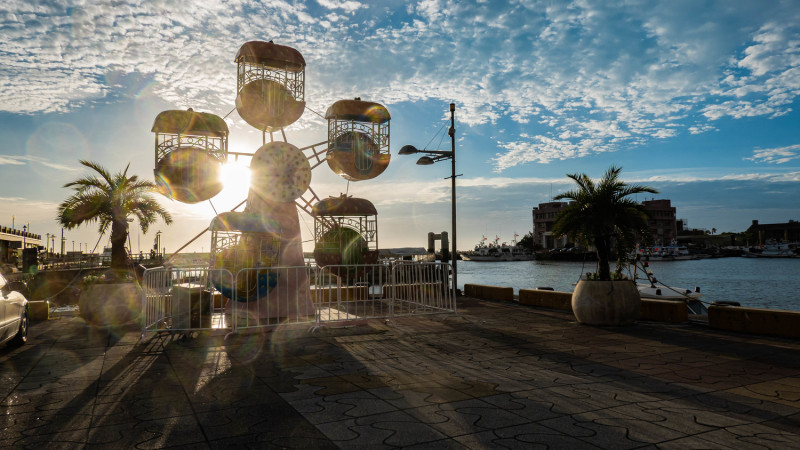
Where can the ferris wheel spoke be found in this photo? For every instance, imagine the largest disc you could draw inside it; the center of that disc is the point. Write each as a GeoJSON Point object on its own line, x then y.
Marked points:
{"type": "Point", "coordinates": [306, 201]}
{"type": "Point", "coordinates": [317, 155]}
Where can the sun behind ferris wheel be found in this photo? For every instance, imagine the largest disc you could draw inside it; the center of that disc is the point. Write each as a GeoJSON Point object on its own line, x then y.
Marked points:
{"type": "Point", "coordinates": [191, 148]}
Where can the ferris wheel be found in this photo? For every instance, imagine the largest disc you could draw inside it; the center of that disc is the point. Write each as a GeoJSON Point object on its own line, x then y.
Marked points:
{"type": "Point", "coordinates": [191, 148]}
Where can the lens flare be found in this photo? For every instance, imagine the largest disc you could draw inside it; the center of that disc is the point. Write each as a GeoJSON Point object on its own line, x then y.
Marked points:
{"type": "Point", "coordinates": [189, 175]}
{"type": "Point", "coordinates": [235, 176]}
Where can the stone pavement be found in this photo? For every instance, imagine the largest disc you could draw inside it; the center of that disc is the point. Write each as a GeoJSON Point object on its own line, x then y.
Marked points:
{"type": "Point", "coordinates": [492, 376]}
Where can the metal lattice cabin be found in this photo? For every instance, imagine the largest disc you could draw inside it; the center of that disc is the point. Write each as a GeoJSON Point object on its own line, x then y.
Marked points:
{"type": "Point", "coordinates": [270, 85]}
{"type": "Point", "coordinates": [190, 149]}
{"type": "Point", "coordinates": [345, 231]}
{"type": "Point", "coordinates": [358, 139]}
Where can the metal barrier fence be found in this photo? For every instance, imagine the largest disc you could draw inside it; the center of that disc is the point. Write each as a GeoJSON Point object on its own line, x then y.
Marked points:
{"type": "Point", "coordinates": [422, 288]}
{"type": "Point", "coordinates": [351, 293]}
{"type": "Point", "coordinates": [194, 299]}
{"type": "Point", "coordinates": [273, 296]}
{"type": "Point", "coordinates": [183, 300]}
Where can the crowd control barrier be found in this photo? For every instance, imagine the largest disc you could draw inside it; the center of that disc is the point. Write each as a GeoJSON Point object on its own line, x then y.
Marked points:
{"type": "Point", "coordinates": [185, 300]}
{"type": "Point", "coordinates": [273, 296]}
{"type": "Point", "coordinates": [352, 293]}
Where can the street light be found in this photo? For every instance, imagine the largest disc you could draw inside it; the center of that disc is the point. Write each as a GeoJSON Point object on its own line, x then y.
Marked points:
{"type": "Point", "coordinates": [432, 156]}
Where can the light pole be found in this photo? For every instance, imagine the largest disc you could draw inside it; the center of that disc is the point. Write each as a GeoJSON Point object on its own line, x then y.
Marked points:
{"type": "Point", "coordinates": [433, 156]}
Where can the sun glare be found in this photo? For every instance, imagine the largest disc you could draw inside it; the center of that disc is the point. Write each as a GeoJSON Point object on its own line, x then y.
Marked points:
{"type": "Point", "coordinates": [236, 178]}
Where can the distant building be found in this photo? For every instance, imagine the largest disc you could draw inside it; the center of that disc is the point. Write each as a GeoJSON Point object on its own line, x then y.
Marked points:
{"type": "Point", "coordinates": [779, 232]}
{"type": "Point", "coordinates": [543, 217]}
{"type": "Point", "coordinates": [12, 240]}
{"type": "Point", "coordinates": [663, 227]}
{"type": "Point", "coordinates": [662, 221]}
{"type": "Point", "coordinates": [682, 226]}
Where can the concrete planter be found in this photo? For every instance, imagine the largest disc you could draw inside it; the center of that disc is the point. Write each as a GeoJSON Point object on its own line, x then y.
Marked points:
{"type": "Point", "coordinates": [111, 305]}
{"type": "Point", "coordinates": [606, 303]}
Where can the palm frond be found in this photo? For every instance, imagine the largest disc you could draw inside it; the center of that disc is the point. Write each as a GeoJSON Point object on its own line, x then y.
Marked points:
{"type": "Point", "coordinates": [110, 200]}
{"type": "Point", "coordinates": [602, 213]}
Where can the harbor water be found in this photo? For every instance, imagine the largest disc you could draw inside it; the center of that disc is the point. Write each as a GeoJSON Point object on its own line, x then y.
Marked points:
{"type": "Point", "coordinates": [754, 282]}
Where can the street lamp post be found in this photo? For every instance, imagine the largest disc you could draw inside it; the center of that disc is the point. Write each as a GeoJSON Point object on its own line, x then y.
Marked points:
{"type": "Point", "coordinates": [433, 156]}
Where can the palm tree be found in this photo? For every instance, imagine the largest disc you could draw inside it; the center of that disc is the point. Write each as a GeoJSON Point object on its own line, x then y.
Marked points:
{"type": "Point", "coordinates": [110, 200]}
{"type": "Point", "coordinates": [603, 215]}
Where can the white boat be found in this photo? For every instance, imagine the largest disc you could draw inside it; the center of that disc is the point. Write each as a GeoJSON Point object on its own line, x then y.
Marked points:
{"type": "Point", "coordinates": [774, 250]}
{"type": "Point", "coordinates": [650, 288]}
{"type": "Point", "coordinates": [497, 252]}
{"type": "Point", "coordinates": [665, 253]}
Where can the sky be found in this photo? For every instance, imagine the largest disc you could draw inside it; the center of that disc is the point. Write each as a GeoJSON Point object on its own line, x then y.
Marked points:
{"type": "Point", "coordinates": [700, 100]}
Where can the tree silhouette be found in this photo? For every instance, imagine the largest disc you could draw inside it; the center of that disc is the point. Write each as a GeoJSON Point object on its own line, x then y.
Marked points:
{"type": "Point", "coordinates": [602, 214]}
{"type": "Point", "coordinates": [110, 201]}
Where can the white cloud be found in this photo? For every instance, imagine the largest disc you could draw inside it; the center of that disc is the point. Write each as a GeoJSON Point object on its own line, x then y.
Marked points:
{"type": "Point", "coordinates": [598, 75]}
{"type": "Point", "coordinates": [776, 155]}
{"type": "Point", "coordinates": [17, 160]}
{"type": "Point", "coordinates": [346, 5]}
{"type": "Point", "coordinates": [10, 160]}
{"type": "Point", "coordinates": [544, 150]}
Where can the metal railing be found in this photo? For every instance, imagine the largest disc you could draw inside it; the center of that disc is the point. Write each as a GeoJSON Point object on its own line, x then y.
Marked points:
{"type": "Point", "coordinates": [352, 293]}
{"type": "Point", "coordinates": [273, 296]}
{"type": "Point", "coordinates": [186, 300]}
{"type": "Point", "coordinates": [183, 300]}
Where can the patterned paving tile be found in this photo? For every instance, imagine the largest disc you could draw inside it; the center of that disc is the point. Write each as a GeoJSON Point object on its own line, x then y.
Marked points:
{"type": "Point", "coordinates": [534, 435]}
{"type": "Point", "coordinates": [388, 430]}
{"type": "Point", "coordinates": [611, 430]}
{"type": "Point", "coordinates": [61, 439]}
{"type": "Point", "coordinates": [169, 432]}
{"type": "Point", "coordinates": [335, 407]}
{"type": "Point", "coordinates": [13, 426]}
{"type": "Point", "coordinates": [785, 391]}
{"type": "Point", "coordinates": [496, 375]}
{"type": "Point", "coordinates": [750, 437]}
{"type": "Point", "coordinates": [465, 417]}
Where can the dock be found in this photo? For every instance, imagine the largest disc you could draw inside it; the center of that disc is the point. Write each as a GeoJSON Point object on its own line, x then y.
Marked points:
{"type": "Point", "coordinates": [495, 374]}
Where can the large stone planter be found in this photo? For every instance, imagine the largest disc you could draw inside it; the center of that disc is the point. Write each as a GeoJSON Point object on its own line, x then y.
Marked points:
{"type": "Point", "coordinates": [606, 303]}
{"type": "Point", "coordinates": [111, 305]}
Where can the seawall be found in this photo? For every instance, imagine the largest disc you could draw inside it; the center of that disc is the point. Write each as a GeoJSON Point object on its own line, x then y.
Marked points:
{"type": "Point", "coordinates": [738, 319]}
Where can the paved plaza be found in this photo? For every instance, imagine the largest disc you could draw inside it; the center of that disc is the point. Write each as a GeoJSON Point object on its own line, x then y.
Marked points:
{"type": "Point", "coordinates": [492, 376]}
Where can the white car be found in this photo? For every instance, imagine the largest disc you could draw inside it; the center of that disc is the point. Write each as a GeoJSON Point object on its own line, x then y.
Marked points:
{"type": "Point", "coordinates": [13, 315]}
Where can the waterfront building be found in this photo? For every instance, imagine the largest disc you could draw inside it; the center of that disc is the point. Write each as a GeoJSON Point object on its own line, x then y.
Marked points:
{"type": "Point", "coordinates": [778, 232]}
{"type": "Point", "coordinates": [662, 221]}
{"type": "Point", "coordinates": [543, 217]}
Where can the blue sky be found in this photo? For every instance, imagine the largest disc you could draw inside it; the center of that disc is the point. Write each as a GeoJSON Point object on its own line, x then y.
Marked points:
{"type": "Point", "coordinates": [700, 100]}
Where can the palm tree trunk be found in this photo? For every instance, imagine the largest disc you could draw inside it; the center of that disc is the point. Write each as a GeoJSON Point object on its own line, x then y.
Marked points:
{"type": "Point", "coordinates": [119, 258]}
{"type": "Point", "coordinates": [603, 265]}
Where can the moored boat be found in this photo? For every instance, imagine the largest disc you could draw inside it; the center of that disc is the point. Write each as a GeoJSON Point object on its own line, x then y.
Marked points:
{"type": "Point", "coordinates": [665, 253]}
{"type": "Point", "coordinates": [773, 250]}
{"type": "Point", "coordinates": [496, 252]}
{"type": "Point", "coordinates": [651, 288]}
